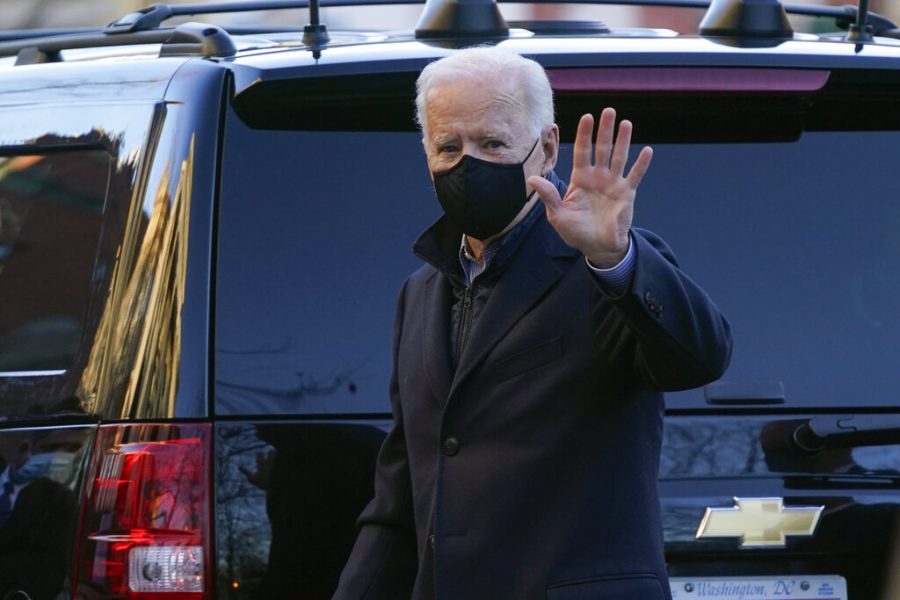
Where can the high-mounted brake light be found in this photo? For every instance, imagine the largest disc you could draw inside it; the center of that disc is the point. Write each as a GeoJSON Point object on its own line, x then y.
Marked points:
{"type": "Point", "coordinates": [687, 79]}
{"type": "Point", "coordinates": [145, 526]}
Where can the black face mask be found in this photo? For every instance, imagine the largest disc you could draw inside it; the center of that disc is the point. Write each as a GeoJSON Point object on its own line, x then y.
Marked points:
{"type": "Point", "coordinates": [481, 197]}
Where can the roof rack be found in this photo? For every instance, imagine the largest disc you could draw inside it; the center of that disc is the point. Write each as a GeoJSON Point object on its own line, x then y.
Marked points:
{"type": "Point", "coordinates": [845, 17]}
{"type": "Point", "coordinates": [153, 16]}
{"type": "Point", "coordinates": [761, 18]}
{"type": "Point", "coordinates": [199, 39]}
{"type": "Point", "coordinates": [23, 34]}
{"type": "Point", "coordinates": [144, 26]}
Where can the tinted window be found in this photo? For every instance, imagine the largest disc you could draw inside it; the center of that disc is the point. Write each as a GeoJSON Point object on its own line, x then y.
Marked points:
{"type": "Point", "coordinates": [51, 210]}
{"type": "Point", "coordinates": [287, 499]}
{"type": "Point", "coordinates": [797, 242]}
{"type": "Point", "coordinates": [314, 242]}
{"type": "Point", "coordinates": [799, 245]}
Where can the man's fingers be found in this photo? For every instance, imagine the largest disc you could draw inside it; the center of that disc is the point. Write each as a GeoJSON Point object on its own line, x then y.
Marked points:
{"type": "Point", "coordinates": [605, 137]}
{"type": "Point", "coordinates": [640, 167]}
{"type": "Point", "coordinates": [546, 191]}
{"type": "Point", "coordinates": [581, 157]}
{"type": "Point", "coordinates": [620, 152]}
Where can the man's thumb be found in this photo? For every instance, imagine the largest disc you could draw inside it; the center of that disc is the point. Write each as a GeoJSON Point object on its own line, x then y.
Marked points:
{"type": "Point", "coordinates": [546, 190]}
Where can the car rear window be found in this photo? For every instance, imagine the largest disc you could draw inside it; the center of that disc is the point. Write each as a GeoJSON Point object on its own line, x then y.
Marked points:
{"type": "Point", "coordinates": [51, 208]}
{"type": "Point", "coordinates": [315, 232]}
{"type": "Point", "coordinates": [799, 245]}
{"type": "Point", "coordinates": [797, 241]}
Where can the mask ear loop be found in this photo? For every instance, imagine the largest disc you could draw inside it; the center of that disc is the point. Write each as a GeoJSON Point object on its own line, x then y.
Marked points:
{"type": "Point", "coordinates": [530, 152]}
{"type": "Point", "coordinates": [533, 191]}
{"type": "Point", "coordinates": [544, 175]}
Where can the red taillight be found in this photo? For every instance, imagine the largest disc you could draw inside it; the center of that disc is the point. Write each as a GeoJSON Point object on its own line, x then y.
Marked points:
{"type": "Point", "coordinates": [146, 527]}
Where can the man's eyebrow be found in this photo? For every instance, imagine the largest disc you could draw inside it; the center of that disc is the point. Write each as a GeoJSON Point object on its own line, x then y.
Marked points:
{"type": "Point", "coordinates": [494, 133]}
{"type": "Point", "coordinates": [444, 139]}
{"type": "Point", "coordinates": [497, 134]}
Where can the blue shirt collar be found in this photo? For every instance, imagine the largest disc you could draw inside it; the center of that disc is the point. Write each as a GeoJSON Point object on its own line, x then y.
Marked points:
{"type": "Point", "coordinates": [499, 249]}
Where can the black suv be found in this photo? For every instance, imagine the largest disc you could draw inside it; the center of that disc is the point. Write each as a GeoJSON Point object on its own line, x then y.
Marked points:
{"type": "Point", "coordinates": [202, 233]}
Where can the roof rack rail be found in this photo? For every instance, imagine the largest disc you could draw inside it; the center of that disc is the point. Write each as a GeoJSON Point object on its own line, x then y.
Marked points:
{"type": "Point", "coordinates": [198, 39]}
{"type": "Point", "coordinates": [315, 33]}
{"type": "Point", "coordinates": [152, 16]}
{"type": "Point", "coordinates": [10, 35]}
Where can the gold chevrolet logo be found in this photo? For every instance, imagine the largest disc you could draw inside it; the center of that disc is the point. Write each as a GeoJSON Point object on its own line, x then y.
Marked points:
{"type": "Point", "coordinates": [759, 522]}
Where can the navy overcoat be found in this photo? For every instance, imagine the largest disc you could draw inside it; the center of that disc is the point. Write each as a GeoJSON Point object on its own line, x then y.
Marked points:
{"type": "Point", "coordinates": [530, 471]}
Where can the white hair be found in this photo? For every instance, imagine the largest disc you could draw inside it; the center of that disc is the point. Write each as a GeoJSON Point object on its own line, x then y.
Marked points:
{"type": "Point", "coordinates": [488, 64]}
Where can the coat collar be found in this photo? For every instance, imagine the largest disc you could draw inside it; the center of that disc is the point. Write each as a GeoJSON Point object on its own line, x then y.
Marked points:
{"type": "Point", "coordinates": [539, 261]}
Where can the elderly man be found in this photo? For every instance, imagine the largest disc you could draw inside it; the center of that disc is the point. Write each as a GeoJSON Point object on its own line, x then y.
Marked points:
{"type": "Point", "coordinates": [529, 356]}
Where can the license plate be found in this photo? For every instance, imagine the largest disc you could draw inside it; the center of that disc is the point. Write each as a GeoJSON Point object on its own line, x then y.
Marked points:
{"type": "Point", "coordinates": [813, 587]}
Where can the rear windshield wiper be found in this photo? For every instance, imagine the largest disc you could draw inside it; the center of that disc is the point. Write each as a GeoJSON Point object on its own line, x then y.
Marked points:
{"type": "Point", "coordinates": [821, 433]}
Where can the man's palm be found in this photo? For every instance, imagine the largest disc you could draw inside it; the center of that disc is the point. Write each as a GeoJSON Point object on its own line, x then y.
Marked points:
{"type": "Point", "coordinates": [596, 212]}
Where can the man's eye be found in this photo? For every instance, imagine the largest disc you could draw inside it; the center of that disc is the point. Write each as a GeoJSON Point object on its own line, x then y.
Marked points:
{"type": "Point", "coordinates": [447, 149]}
{"type": "Point", "coordinates": [495, 144]}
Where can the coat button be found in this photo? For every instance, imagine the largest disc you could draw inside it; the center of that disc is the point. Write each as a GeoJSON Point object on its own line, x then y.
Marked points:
{"type": "Point", "coordinates": [451, 446]}
{"type": "Point", "coordinates": [431, 541]}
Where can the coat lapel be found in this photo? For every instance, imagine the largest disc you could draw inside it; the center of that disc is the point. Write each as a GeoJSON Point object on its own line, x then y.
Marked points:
{"type": "Point", "coordinates": [436, 341]}
{"type": "Point", "coordinates": [528, 277]}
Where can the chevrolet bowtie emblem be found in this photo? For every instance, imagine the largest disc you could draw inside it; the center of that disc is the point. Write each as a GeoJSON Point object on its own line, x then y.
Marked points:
{"type": "Point", "coordinates": [759, 522]}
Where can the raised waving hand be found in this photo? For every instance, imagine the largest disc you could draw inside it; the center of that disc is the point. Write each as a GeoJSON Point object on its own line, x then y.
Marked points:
{"type": "Point", "coordinates": [596, 212]}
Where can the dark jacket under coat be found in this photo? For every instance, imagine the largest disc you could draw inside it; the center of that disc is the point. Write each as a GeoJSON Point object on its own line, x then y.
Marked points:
{"type": "Point", "coordinates": [530, 471]}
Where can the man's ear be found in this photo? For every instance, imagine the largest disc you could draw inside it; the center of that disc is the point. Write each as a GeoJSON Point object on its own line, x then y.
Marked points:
{"type": "Point", "coordinates": [550, 146]}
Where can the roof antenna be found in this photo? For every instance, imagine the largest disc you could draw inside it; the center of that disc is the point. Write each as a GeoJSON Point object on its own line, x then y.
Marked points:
{"type": "Point", "coordinates": [861, 31]}
{"type": "Point", "coordinates": [315, 34]}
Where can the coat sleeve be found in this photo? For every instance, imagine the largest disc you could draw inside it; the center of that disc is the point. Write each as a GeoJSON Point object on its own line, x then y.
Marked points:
{"type": "Point", "coordinates": [383, 563]}
{"type": "Point", "coordinates": [664, 328]}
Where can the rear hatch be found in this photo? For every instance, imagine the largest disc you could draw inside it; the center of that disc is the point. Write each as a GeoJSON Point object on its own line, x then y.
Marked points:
{"type": "Point", "coordinates": [783, 478]}
{"type": "Point", "coordinates": [773, 187]}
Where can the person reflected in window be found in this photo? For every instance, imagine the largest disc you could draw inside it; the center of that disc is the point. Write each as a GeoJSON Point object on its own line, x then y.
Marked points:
{"type": "Point", "coordinates": [37, 513]}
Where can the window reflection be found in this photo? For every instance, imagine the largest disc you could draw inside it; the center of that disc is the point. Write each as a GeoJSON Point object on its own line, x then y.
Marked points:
{"type": "Point", "coordinates": [39, 472]}
{"type": "Point", "coordinates": [287, 499]}
{"type": "Point", "coordinates": [50, 221]}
